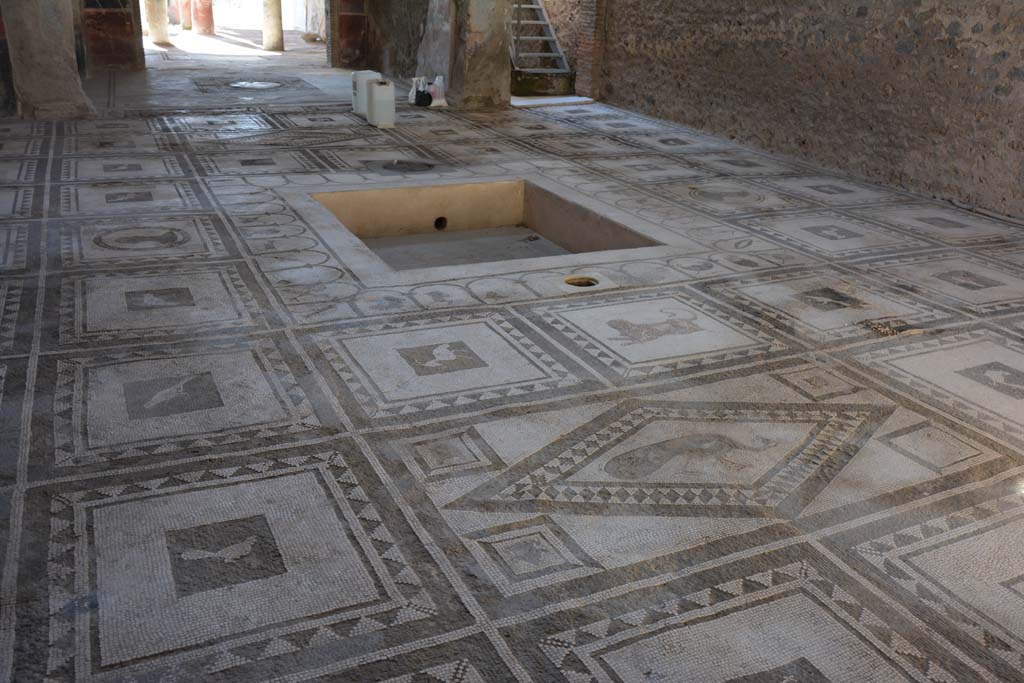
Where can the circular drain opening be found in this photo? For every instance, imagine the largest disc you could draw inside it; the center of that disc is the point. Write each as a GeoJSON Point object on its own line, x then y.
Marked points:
{"type": "Point", "coordinates": [581, 281]}
{"type": "Point", "coordinates": [399, 166]}
{"type": "Point", "coordinates": [255, 85]}
{"type": "Point", "coordinates": [440, 223]}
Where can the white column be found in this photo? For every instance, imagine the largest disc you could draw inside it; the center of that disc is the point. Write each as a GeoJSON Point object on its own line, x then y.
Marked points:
{"type": "Point", "coordinates": [273, 33]}
{"type": "Point", "coordinates": [156, 21]}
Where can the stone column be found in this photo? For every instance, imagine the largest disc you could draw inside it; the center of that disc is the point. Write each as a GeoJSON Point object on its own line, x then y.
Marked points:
{"type": "Point", "coordinates": [156, 20]}
{"type": "Point", "coordinates": [186, 15]}
{"type": "Point", "coordinates": [273, 33]}
{"type": "Point", "coordinates": [202, 17]}
{"type": "Point", "coordinates": [434, 55]}
{"type": "Point", "coordinates": [41, 40]}
{"type": "Point", "coordinates": [481, 71]}
{"type": "Point", "coordinates": [590, 51]}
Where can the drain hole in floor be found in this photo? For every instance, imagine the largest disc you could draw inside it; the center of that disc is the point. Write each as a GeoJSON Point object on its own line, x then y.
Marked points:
{"type": "Point", "coordinates": [581, 281]}
{"type": "Point", "coordinates": [399, 166]}
{"type": "Point", "coordinates": [255, 85]}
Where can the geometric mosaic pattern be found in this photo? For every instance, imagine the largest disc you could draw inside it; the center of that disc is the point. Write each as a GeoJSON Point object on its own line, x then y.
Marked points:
{"type": "Point", "coordinates": [963, 281]}
{"type": "Point", "coordinates": [932, 564]}
{"type": "Point", "coordinates": [824, 308]}
{"type": "Point", "coordinates": [819, 623]}
{"type": "Point", "coordinates": [113, 306]}
{"type": "Point", "coordinates": [676, 459]}
{"type": "Point", "coordinates": [442, 364]}
{"type": "Point", "coordinates": [166, 540]}
{"type": "Point", "coordinates": [160, 402]}
{"type": "Point", "coordinates": [977, 374]}
{"type": "Point", "coordinates": [641, 335]}
{"type": "Point", "coordinates": [784, 444]}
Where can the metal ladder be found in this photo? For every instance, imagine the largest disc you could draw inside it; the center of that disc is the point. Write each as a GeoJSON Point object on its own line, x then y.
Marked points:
{"type": "Point", "coordinates": [535, 48]}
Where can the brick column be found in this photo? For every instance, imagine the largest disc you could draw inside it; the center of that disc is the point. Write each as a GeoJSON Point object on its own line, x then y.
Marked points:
{"type": "Point", "coordinates": [202, 17]}
{"type": "Point", "coordinates": [590, 51]}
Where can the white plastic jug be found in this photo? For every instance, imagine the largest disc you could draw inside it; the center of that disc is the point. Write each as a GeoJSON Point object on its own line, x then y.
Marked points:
{"type": "Point", "coordinates": [380, 103]}
{"type": "Point", "coordinates": [359, 81]}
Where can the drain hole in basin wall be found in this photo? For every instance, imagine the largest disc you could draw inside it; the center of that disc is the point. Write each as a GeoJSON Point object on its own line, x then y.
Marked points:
{"type": "Point", "coordinates": [581, 281]}
{"type": "Point", "coordinates": [440, 223]}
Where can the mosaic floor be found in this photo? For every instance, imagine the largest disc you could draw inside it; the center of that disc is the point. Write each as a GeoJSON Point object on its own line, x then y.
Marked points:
{"type": "Point", "coordinates": [786, 445]}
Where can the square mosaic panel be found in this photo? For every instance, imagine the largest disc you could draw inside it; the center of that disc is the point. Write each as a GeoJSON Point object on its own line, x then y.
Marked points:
{"type": "Point", "coordinates": [264, 562]}
{"type": "Point", "coordinates": [679, 142]}
{"type": "Point", "coordinates": [827, 308]}
{"type": "Point", "coordinates": [943, 223]}
{"type": "Point", "coordinates": [450, 131]}
{"type": "Point", "coordinates": [929, 560]}
{"type": "Point", "coordinates": [523, 555]}
{"type": "Point", "coordinates": [730, 196]}
{"type": "Point", "coordinates": [619, 124]}
{"type": "Point", "coordinates": [159, 403]}
{"type": "Point", "coordinates": [784, 614]}
{"type": "Point", "coordinates": [115, 144]}
{"type": "Point", "coordinates": [648, 169]}
{"type": "Point", "coordinates": [128, 198]}
{"type": "Point", "coordinates": [439, 365]}
{"type": "Point", "coordinates": [933, 446]}
{"type": "Point", "coordinates": [480, 152]}
{"type": "Point", "coordinates": [976, 375]}
{"type": "Point", "coordinates": [526, 126]}
{"type": "Point", "coordinates": [296, 138]}
{"type": "Point", "coordinates": [580, 145]}
{"type": "Point", "coordinates": [832, 190]}
{"type": "Point", "coordinates": [375, 160]}
{"type": "Point", "coordinates": [461, 452]}
{"type": "Point", "coordinates": [639, 336]}
{"type": "Point", "coordinates": [832, 235]}
{"type": "Point", "coordinates": [318, 120]}
{"type": "Point", "coordinates": [115, 306]}
{"type": "Point", "coordinates": [743, 163]}
{"type": "Point", "coordinates": [121, 168]}
{"type": "Point", "coordinates": [972, 284]}
{"type": "Point", "coordinates": [217, 122]}
{"type": "Point", "coordinates": [257, 163]}
{"type": "Point", "coordinates": [107, 127]}
{"type": "Point", "coordinates": [154, 240]}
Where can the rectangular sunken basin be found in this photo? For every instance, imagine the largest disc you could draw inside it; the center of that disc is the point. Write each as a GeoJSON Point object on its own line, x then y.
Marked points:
{"type": "Point", "coordinates": [457, 224]}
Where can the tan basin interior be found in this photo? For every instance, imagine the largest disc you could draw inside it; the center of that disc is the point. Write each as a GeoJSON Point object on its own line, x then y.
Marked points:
{"type": "Point", "coordinates": [444, 225]}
